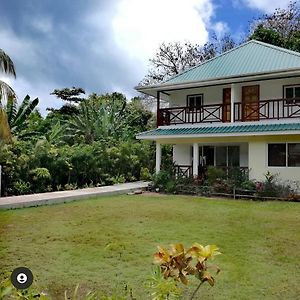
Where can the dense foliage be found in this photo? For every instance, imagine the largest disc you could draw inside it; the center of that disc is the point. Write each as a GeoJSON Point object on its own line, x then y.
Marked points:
{"type": "Point", "coordinates": [280, 28]}
{"type": "Point", "coordinates": [95, 146]}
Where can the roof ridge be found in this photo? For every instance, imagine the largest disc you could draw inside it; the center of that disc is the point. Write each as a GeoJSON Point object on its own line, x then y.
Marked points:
{"type": "Point", "coordinates": [209, 60]}
{"type": "Point", "coordinates": [277, 47]}
{"type": "Point", "coordinates": [295, 53]}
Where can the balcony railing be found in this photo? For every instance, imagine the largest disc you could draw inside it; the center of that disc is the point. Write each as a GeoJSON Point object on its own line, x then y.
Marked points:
{"type": "Point", "coordinates": [267, 109]}
{"type": "Point", "coordinates": [186, 171]}
{"type": "Point", "coordinates": [262, 110]}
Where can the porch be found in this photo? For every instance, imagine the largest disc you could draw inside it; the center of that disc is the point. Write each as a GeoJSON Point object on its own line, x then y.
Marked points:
{"type": "Point", "coordinates": [186, 171]}
{"type": "Point", "coordinates": [193, 160]}
{"type": "Point", "coordinates": [274, 109]}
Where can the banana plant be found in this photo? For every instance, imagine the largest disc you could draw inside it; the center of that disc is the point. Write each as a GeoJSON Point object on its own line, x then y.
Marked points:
{"type": "Point", "coordinates": [17, 116]}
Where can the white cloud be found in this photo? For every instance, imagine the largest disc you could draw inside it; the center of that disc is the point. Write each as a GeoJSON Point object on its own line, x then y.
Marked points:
{"type": "Point", "coordinates": [220, 28]}
{"type": "Point", "coordinates": [139, 26]}
{"type": "Point", "coordinates": [267, 6]}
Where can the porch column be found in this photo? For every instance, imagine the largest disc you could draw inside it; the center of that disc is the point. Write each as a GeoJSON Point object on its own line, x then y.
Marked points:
{"type": "Point", "coordinates": [195, 159]}
{"type": "Point", "coordinates": [158, 158]}
{"type": "Point", "coordinates": [157, 109]}
{"type": "Point", "coordinates": [234, 93]}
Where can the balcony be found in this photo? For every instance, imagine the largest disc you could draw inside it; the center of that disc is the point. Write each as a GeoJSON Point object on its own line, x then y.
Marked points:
{"type": "Point", "coordinates": [274, 109]}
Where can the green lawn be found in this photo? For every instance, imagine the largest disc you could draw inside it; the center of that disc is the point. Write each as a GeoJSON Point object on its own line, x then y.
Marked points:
{"type": "Point", "coordinates": [66, 244]}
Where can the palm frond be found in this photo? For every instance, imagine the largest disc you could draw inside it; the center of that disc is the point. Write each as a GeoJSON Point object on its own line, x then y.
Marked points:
{"type": "Point", "coordinates": [5, 133]}
{"type": "Point", "coordinates": [6, 64]}
{"type": "Point", "coordinates": [6, 91]}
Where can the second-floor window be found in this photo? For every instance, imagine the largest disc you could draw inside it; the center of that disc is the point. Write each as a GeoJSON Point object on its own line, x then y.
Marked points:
{"type": "Point", "coordinates": [291, 92]}
{"type": "Point", "coordinates": [194, 101]}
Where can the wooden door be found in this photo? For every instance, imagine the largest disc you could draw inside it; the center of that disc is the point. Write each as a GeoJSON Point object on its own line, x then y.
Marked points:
{"type": "Point", "coordinates": [226, 115]}
{"type": "Point", "coordinates": [250, 103]}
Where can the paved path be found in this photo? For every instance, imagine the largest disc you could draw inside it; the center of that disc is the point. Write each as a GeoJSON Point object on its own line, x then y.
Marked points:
{"type": "Point", "coordinates": [66, 196]}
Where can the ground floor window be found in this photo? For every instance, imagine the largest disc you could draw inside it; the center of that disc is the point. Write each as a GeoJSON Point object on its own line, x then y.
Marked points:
{"type": "Point", "coordinates": [219, 156]}
{"type": "Point", "coordinates": [294, 155]}
{"type": "Point", "coordinates": [284, 155]}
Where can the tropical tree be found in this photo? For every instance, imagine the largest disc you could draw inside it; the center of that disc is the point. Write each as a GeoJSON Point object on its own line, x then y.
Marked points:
{"type": "Point", "coordinates": [280, 28]}
{"type": "Point", "coordinates": [6, 93]}
{"type": "Point", "coordinates": [173, 58]}
{"type": "Point", "coordinates": [99, 117]}
{"type": "Point", "coordinates": [17, 116]}
{"type": "Point", "coordinates": [72, 96]}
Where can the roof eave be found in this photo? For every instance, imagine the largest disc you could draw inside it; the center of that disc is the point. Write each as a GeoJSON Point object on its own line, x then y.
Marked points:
{"type": "Point", "coordinates": [216, 135]}
{"type": "Point", "coordinates": [151, 90]}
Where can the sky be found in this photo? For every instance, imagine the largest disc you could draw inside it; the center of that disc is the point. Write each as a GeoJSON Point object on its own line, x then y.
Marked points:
{"type": "Point", "coordinates": [105, 45]}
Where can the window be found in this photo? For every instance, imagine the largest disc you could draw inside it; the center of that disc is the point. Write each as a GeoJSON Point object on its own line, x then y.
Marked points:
{"type": "Point", "coordinates": [277, 155]}
{"type": "Point", "coordinates": [227, 156]}
{"type": "Point", "coordinates": [294, 155]}
{"type": "Point", "coordinates": [194, 101]}
{"type": "Point", "coordinates": [291, 92]}
{"type": "Point", "coordinates": [284, 155]}
{"type": "Point", "coordinates": [233, 156]}
{"type": "Point", "coordinates": [221, 156]}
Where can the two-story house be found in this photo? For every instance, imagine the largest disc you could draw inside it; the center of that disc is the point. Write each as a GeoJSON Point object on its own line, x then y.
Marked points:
{"type": "Point", "coordinates": [239, 109]}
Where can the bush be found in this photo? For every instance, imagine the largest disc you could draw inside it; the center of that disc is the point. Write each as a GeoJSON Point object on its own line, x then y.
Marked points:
{"type": "Point", "coordinates": [164, 179]}
{"type": "Point", "coordinates": [21, 187]}
{"type": "Point", "coordinates": [238, 176]}
{"type": "Point", "coordinates": [222, 186]}
{"type": "Point", "coordinates": [271, 187]}
{"type": "Point", "coordinates": [145, 174]}
{"type": "Point", "coordinates": [248, 185]}
{"type": "Point", "coordinates": [213, 174]}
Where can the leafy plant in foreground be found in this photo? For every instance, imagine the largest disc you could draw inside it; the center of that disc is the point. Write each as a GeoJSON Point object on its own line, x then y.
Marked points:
{"type": "Point", "coordinates": [162, 289]}
{"type": "Point", "coordinates": [179, 263]}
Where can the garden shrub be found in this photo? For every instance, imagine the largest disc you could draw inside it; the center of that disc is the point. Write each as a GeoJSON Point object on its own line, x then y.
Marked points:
{"type": "Point", "coordinates": [248, 185]}
{"type": "Point", "coordinates": [213, 174]}
{"type": "Point", "coordinates": [163, 179]}
{"type": "Point", "coordinates": [145, 174]}
{"type": "Point", "coordinates": [222, 186]}
{"type": "Point", "coordinates": [21, 187]}
{"type": "Point", "coordinates": [238, 176]}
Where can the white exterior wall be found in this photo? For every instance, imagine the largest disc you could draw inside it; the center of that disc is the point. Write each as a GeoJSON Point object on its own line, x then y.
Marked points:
{"type": "Point", "coordinates": [182, 154]}
{"type": "Point", "coordinates": [258, 163]}
{"type": "Point", "coordinates": [269, 89]}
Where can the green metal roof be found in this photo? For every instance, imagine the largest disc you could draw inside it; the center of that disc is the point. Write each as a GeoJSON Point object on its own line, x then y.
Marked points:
{"type": "Point", "coordinates": [224, 129]}
{"type": "Point", "coordinates": [249, 58]}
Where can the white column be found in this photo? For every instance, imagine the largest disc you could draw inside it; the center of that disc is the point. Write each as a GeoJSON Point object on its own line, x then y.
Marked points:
{"type": "Point", "coordinates": [234, 90]}
{"type": "Point", "coordinates": [158, 158]}
{"type": "Point", "coordinates": [195, 159]}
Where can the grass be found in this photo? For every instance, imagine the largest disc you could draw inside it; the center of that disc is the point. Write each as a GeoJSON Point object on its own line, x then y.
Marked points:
{"type": "Point", "coordinates": [106, 242]}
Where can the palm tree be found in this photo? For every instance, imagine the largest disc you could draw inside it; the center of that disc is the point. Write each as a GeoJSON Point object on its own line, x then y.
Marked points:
{"type": "Point", "coordinates": [6, 94]}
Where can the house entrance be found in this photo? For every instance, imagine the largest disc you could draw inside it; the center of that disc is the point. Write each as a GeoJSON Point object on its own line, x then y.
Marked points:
{"type": "Point", "coordinates": [250, 103]}
{"type": "Point", "coordinates": [226, 105]}
{"type": "Point", "coordinates": [206, 156]}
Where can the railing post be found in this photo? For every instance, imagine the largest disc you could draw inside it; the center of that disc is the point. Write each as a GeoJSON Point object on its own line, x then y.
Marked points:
{"type": "Point", "coordinates": [158, 107]}
{"type": "Point", "coordinates": [233, 96]}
